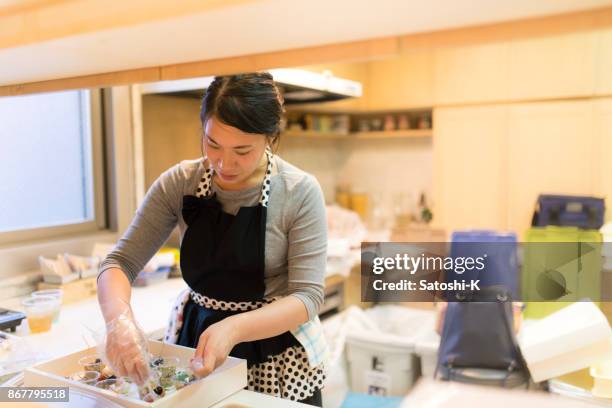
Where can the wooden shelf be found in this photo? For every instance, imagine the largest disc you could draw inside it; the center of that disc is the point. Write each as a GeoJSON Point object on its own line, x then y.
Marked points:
{"type": "Point", "coordinates": [388, 134]}
{"type": "Point", "coordinates": [312, 134]}
{"type": "Point", "coordinates": [393, 134]}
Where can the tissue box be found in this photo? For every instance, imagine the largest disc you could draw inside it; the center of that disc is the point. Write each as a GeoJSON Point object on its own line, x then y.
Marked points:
{"type": "Point", "coordinates": [570, 339]}
{"type": "Point", "coordinates": [224, 381]}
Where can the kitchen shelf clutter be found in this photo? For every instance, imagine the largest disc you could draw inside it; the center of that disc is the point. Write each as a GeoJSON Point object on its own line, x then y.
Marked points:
{"type": "Point", "coordinates": [361, 125]}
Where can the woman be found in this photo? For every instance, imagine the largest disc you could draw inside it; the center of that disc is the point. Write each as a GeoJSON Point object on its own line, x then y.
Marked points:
{"type": "Point", "coordinates": [253, 251]}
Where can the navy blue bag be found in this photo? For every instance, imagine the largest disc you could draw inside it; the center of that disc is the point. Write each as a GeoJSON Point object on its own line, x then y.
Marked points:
{"type": "Point", "coordinates": [478, 337]}
{"type": "Point", "coordinates": [501, 265]}
{"type": "Point", "coordinates": [569, 211]}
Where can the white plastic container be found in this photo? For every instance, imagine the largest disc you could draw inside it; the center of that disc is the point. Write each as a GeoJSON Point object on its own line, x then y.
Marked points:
{"type": "Point", "coordinates": [427, 351]}
{"type": "Point", "coordinates": [380, 364]}
{"type": "Point", "coordinates": [570, 339]}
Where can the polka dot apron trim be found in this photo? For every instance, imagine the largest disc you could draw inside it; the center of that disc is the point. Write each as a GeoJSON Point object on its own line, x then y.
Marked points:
{"type": "Point", "coordinates": [205, 186]}
{"type": "Point", "coordinates": [287, 375]}
{"type": "Point", "coordinates": [214, 304]}
{"type": "Point", "coordinates": [176, 316]}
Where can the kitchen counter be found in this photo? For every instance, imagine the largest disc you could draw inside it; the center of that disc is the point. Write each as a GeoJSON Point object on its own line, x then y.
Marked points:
{"type": "Point", "coordinates": [73, 331]}
{"type": "Point", "coordinates": [151, 306]}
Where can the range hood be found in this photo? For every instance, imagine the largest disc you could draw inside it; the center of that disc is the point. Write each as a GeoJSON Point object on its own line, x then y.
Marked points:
{"type": "Point", "coordinates": [296, 85]}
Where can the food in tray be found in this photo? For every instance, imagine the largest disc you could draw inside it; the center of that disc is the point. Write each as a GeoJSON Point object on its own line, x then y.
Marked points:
{"type": "Point", "coordinates": [166, 370]}
{"type": "Point", "coordinates": [107, 373]}
{"type": "Point", "coordinates": [151, 391]}
{"type": "Point", "coordinates": [183, 378]}
{"type": "Point", "coordinates": [85, 377]}
{"type": "Point", "coordinates": [92, 363]}
{"type": "Point", "coordinates": [168, 376]}
{"type": "Point", "coordinates": [122, 386]}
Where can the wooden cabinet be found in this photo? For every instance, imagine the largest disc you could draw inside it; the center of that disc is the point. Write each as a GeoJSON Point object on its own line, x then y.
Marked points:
{"type": "Point", "coordinates": [603, 145]}
{"type": "Point", "coordinates": [469, 167]}
{"type": "Point", "coordinates": [552, 67]}
{"type": "Point", "coordinates": [400, 83]}
{"type": "Point", "coordinates": [558, 66]}
{"type": "Point", "coordinates": [490, 163]}
{"type": "Point", "coordinates": [603, 73]}
{"type": "Point", "coordinates": [551, 149]}
{"type": "Point", "coordinates": [471, 74]}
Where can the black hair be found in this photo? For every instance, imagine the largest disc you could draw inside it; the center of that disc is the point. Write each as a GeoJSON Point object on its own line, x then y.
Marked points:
{"type": "Point", "coordinates": [250, 102]}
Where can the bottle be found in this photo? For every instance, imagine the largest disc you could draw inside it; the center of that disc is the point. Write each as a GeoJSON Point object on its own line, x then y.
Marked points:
{"type": "Point", "coordinates": [343, 195]}
{"type": "Point", "coordinates": [424, 210]}
{"type": "Point", "coordinates": [359, 204]}
{"type": "Point", "coordinates": [403, 209]}
{"type": "Point", "coordinates": [389, 123]}
{"type": "Point", "coordinates": [403, 123]}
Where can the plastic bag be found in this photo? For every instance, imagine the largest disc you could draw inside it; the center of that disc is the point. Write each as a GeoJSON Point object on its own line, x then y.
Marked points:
{"type": "Point", "coordinates": [16, 354]}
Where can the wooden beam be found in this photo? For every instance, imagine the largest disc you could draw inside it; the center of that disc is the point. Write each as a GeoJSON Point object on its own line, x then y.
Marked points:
{"type": "Point", "coordinates": [508, 31]}
{"type": "Point", "coordinates": [43, 20]}
{"type": "Point", "coordinates": [341, 52]}
{"type": "Point", "coordinates": [344, 52]}
{"type": "Point", "coordinates": [359, 50]}
{"type": "Point", "coordinates": [89, 81]}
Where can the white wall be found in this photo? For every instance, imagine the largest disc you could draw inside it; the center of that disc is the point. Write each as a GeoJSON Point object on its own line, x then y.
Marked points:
{"type": "Point", "coordinates": [381, 168]}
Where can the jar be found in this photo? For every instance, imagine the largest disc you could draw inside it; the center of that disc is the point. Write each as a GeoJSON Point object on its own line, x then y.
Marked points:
{"type": "Point", "coordinates": [359, 204]}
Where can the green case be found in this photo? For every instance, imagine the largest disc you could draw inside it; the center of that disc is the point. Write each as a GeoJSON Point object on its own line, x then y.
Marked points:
{"type": "Point", "coordinates": [561, 265]}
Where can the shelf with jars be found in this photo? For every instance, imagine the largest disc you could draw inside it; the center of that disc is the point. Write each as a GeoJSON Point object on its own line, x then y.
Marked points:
{"type": "Point", "coordinates": [359, 125]}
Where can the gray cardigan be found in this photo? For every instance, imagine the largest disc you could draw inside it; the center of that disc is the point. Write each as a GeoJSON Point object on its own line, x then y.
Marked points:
{"type": "Point", "coordinates": [296, 228]}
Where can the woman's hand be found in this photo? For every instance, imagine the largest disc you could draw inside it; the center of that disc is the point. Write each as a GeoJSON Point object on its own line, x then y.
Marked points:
{"type": "Point", "coordinates": [214, 346]}
{"type": "Point", "coordinates": [126, 348]}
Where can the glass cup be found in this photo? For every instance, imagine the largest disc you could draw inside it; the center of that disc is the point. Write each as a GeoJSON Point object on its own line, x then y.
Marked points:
{"type": "Point", "coordinates": [58, 294]}
{"type": "Point", "coordinates": [86, 377]}
{"type": "Point", "coordinates": [92, 363]}
{"type": "Point", "coordinates": [39, 311]}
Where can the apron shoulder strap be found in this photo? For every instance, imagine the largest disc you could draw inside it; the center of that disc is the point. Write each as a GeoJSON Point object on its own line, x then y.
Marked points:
{"type": "Point", "coordinates": [205, 185]}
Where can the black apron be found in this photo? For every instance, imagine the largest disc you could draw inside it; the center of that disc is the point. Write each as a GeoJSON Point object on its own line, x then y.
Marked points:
{"type": "Point", "coordinates": [223, 262]}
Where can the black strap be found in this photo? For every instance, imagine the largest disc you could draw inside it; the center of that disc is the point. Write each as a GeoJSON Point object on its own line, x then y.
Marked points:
{"type": "Point", "coordinates": [522, 363]}
{"type": "Point", "coordinates": [554, 217]}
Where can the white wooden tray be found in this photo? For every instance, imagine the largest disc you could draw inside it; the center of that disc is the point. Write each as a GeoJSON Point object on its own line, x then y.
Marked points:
{"type": "Point", "coordinates": [224, 381]}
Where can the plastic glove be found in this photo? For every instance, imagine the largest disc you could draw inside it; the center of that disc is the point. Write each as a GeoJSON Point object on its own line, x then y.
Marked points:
{"type": "Point", "coordinates": [125, 348]}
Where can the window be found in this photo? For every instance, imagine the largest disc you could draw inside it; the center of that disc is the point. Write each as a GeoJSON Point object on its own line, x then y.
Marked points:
{"type": "Point", "coordinates": [51, 165]}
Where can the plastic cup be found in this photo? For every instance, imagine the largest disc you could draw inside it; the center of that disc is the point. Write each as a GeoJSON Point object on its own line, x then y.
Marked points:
{"type": "Point", "coordinates": [39, 311]}
{"type": "Point", "coordinates": [86, 377]}
{"type": "Point", "coordinates": [120, 385]}
{"type": "Point", "coordinates": [182, 378]}
{"type": "Point", "coordinates": [58, 294]}
{"type": "Point", "coordinates": [92, 363]}
{"type": "Point", "coordinates": [167, 371]}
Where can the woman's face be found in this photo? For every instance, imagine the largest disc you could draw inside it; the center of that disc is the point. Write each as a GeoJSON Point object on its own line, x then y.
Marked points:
{"type": "Point", "coordinates": [234, 155]}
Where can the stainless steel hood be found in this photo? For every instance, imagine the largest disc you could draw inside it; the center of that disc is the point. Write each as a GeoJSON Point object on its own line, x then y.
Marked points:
{"type": "Point", "coordinates": [296, 85]}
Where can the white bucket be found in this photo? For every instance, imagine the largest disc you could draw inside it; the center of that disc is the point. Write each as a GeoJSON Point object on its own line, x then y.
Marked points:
{"type": "Point", "coordinates": [380, 364]}
{"type": "Point", "coordinates": [427, 350]}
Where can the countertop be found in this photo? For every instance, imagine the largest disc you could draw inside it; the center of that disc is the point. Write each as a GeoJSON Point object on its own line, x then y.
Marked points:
{"type": "Point", "coordinates": [151, 306]}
